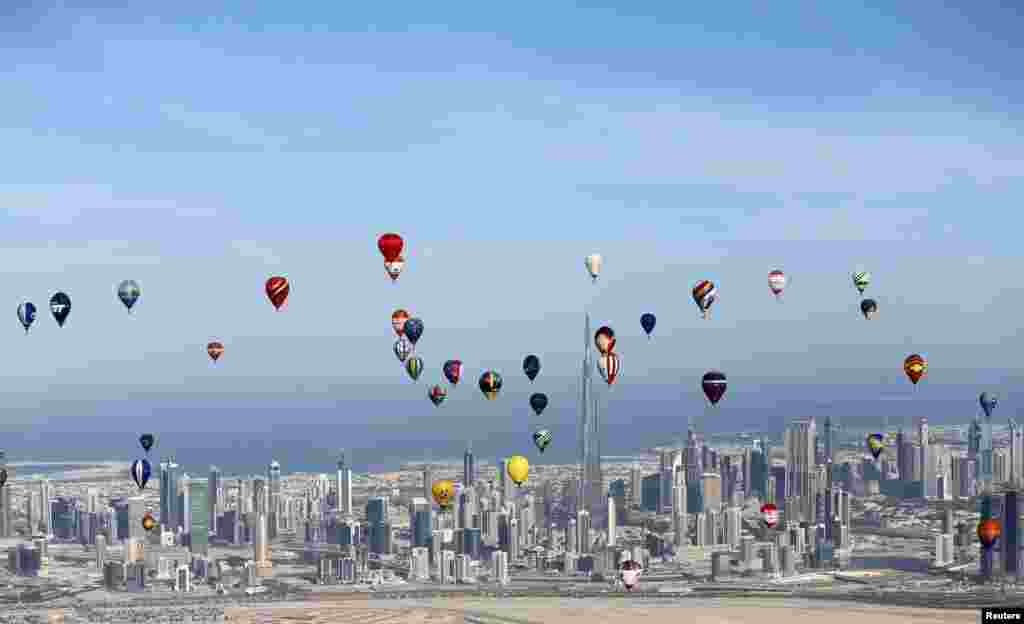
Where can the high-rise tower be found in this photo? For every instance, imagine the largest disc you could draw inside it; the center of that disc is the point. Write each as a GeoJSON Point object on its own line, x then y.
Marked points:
{"type": "Point", "coordinates": [344, 486]}
{"type": "Point", "coordinates": [592, 491]}
{"type": "Point", "coordinates": [468, 468]}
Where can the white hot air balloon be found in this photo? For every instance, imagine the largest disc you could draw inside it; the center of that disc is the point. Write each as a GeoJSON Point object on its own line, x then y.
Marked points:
{"type": "Point", "coordinates": [593, 264]}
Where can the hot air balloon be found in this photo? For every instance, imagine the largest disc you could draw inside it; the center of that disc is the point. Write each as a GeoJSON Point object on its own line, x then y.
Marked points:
{"type": "Point", "coordinates": [414, 366]}
{"type": "Point", "coordinates": [413, 330]}
{"type": "Point", "coordinates": [647, 322]}
{"type": "Point", "coordinates": [148, 522]}
{"type": "Point", "coordinates": [128, 292]}
{"type": "Point", "coordinates": [988, 403]}
{"type": "Point", "coordinates": [868, 307]}
{"type": "Point", "coordinates": [437, 395]}
{"type": "Point", "coordinates": [453, 371]}
{"type": "Point", "coordinates": [398, 319]}
{"type": "Point", "coordinates": [915, 367]}
{"type": "Point", "coordinates": [140, 472]}
{"type": "Point", "coordinates": [876, 444]}
{"type": "Point", "coordinates": [27, 315]}
{"type": "Point", "coordinates": [777, 282]}
{"type": "Point", "coordinates": [390, 246]}
{"type": "Point", "coordinates": [541, 439]}
{"type": "Point", "coordinates": [531, 366]}
{"type": "Point", "coordinates": [769, 515]}
{"type": "Point", "coordinates": [704, 294]}
{"type": "Point", "coordinates": [3, 476]}
{"type": "Point", "coordinates": [609, 365]}
{"type": "Point", "coordinates": [604, 339]}
{"type": "Point", "coordinates": [714, 385]}
{"type": "Point", "coordinates": [988, 532]}
{"type": "Point", "coordinates": [60, 307]}
{"type": "Point", "coordinates": [490, 384]}
{"type": "Point", "coordinates": [593, 264]}
{"type": "Point", "coordinates": [214, 350]}
{"type": "Point", "coordinates": [861, 280]}
{"type": "Point", "coordinates": [277, 288]}
{"type": "Point", "coordinates": [443, 492]}
{"type": "Point", "coordinates": [394, 268]}
{"type": "Point", "coordinates": [630, 572]}
{"type": "Point", "coordinates": [402, 349]}
{"type": "Point", "coordinates": [147, 440]}
{"type": "Point", "coordinates": [518, 468]}
{"type": "Point", "coordinates": [538, 402]}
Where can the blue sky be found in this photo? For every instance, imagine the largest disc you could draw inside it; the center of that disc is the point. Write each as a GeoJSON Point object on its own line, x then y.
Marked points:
{"type": "Point", "coordinates": [198, 156]}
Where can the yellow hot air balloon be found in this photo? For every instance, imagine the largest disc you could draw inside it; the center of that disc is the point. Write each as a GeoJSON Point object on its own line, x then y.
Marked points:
{"type": "Point", "coordinates": [518, 469]}
{"type": "Point", "coordinates": [443, 491]}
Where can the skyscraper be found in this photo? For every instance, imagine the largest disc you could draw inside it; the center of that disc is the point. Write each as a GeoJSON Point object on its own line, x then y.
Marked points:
{"type": "Point", "coordinates": [985, 448]}
{"type": "Point", "coordinates": [926, 460]}
{"type": "Point", "coordinates": [1011, 534]}
{"type": "Point", "coordinates": [6, 515]}
{"type": "Point", "coordinates": [344, 486]}
{"type": "Point", "coordinates": [199, 536]}
{"type": "Point", "coordinates": [274, 482]}
{"type": "Point", "coordinates": [468, 468]}
{"type": "Point", "coordinates": [213, 496]}
{"type": "Point", "coordinates": [169, 513]}
{"type": "Point", "coordinates": [591, 495]}
{"type": "Point", "coordinates": [801, 439]}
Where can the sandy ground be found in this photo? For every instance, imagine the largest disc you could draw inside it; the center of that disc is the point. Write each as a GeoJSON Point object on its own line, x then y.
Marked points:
{"type": "Point", "coordinates": [557, 611]}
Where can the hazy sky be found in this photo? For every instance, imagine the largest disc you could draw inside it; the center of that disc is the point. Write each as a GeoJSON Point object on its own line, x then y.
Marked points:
{"type": "Point", "coordinates": [199, 156]}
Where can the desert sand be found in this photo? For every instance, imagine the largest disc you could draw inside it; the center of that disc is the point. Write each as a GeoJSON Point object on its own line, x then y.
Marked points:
{"type": "Point", "coordinates": [568, 611]}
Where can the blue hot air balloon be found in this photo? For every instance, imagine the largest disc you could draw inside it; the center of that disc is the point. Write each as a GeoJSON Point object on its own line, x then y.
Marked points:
{"type": "Point", "coordinates": [129, 292]}
{"type": "Point", "coordinates": [27, 314]}
{"type": "Point", "coordinates": [988, 403]}
{"type": "Point", "coordinates": [413, 330]}
{"type": "Point", "coordinates": [140, 472]}
{"type": "Point", "coordinates": [648, 321]}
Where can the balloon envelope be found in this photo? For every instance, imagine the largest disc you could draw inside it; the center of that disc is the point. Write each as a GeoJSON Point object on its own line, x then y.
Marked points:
{"type": "Point", "coordinates": [413, 330]}
{"type": "Point", "coordinates": [146, 440]}
{"type": "Point", "coordinates": [518, 468]}
{"type": "Point", "coordinates": [414, 366]}
{"type": "Point", "coordinates": [609, 366]}
{"type": "Point", "coordinates": [60, 307]}
{"type": "Point", "coordinates": [395, 267]}
{"type": "Point", "coordinates": [714, 385]}
{"type": "Point", "coordinates": [129, 292]}
{"type": "Point", "coordinates": [647, 322]}
{"type": "Point", "coordinates": [604, 339]}
{"type": "Point", "coordinates": [437, 395]}
{"type": "Point", "coordinates": [861, 280]}
{"type": "Point", "coordinates": [490, 384]}
{"type": "Point", "coordinates": [390, 246]}
{"type": "Point", "coordinates": [915, 367]}
{"type": "Point", "coordinates": [868, 307]}
{"type": "Point", "coordinates": [541, 439]}
{"type": "Point", "coordinates": [988, 532]}
{"type": "Point", "coordinates": [704, 294]}
{"type": "Point", "coordinates": [777, 282]}
{"type": "Point", "coordinates": [398, 319]}
{"type": "Point", "coordinates": [876, 444]}
{"type": "Point", "coordinates": [988, 403]}
{"type": "Point", "coordinates": [148, 522]}
{"type": "Point", "coordinates": [277, 289]}
{"type": "Point", "coordinates": [140, 472]}
{"type": "Point", "coordinates": [443, 492]}
{"type": "Point", "coordinates": [402, 349]}
{"type": "Point", "coordinates": [538, 401]}
{"type": "Point", "coordinates": [453, 371]}
{"type": "Point", "coordinates": [769, 515]}
{"type": "Point", "coordinates": [27, 314]}
{"type": "Point", "coordinates": [593, 264]}
{"type": "Point", "coordinates": [214, 350]}
{"type": "Point", "coordinates": [531, 366]}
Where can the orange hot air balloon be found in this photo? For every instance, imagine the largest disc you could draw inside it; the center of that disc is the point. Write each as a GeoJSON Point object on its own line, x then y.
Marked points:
{"type": "Point", "coordinates": [148, 523]}
{"type": "Point", "coordinates": [390, 246]}
{"type": "Point", "coordinates": [214, 350]}
{"type": "Point", "coordinates": [398, 319]}
{"type": "Point", "coordinates": [443, 492]}
{"type": "Point", "coordinates": [988, 532]}
{"type": "Point", "coordinates": [277, 291]}
{"type": "Point", "coordinates": [915, 367]}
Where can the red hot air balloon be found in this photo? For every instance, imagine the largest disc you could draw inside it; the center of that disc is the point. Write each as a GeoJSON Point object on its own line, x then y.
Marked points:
{"type": "Point", "coordinates": [988, 532]}
{"type": "Point", "coordinates": [604, 340]}
{"type": "Point", "coordinates": [390, 246]}
{"type": "Point", "coordinates": [214, 350]}
{"type": "Point", "coordinates": [769, 515]}
{"type": "Point", "coordinates": [277, 291]}
{"type": "Point", "coordinates": [398, 319]}
{"type": "Point", "coordinates": [915, 367]}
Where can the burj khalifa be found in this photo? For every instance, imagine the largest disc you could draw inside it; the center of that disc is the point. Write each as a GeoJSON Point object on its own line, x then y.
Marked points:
{"type": "Point", "coordinates": [591, 495]}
